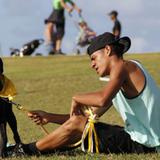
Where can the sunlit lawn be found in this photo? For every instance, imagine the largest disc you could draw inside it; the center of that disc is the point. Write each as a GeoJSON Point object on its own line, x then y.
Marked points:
{"type": "Point", "coordinates": [48, 83]}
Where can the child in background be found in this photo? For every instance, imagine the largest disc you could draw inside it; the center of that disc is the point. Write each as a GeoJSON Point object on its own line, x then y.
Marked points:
{"type": "Point", "coordinates": [6, 114]}
{"type": "Point", "coordinates": [85, 35]}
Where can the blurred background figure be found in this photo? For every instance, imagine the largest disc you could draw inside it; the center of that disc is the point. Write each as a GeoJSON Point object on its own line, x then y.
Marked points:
{"type": "Point", "coordinates": [117, 25]}
{"type": "Point", "coordinates": [27, 49]}
{"type": "Point", "coordinates": [85, 35]}
{"type": "Point", "coordinates": [55, 24]}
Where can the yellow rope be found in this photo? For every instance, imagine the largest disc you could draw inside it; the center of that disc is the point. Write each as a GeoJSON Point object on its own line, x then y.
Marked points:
{"type": "Point", "coordinates": [91, 132]}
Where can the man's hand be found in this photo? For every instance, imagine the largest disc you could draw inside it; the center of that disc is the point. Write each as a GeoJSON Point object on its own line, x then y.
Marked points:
{"type": "Point", "coordinates": [76, 108]}
{"type": "Point", "coordinates": [39, 117]}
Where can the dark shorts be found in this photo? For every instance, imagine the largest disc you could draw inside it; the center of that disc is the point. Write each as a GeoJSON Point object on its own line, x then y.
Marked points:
{"type": "Point", "coordinates": [113, 139]}
{"type": "Point", "coordinates": [60, 31]}
{"type": "Point", "coordinates": [57, 18]}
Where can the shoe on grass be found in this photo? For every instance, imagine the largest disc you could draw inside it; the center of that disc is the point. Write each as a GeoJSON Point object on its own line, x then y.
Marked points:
{"type": "Point", "coordinates": [15, 151]}
{"type": "Point", "coordinates": [60, 53]}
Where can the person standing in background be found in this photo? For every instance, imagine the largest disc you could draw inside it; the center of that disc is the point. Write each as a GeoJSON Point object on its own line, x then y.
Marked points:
{"type": "Point", "coordinates": [116, 30]}
{"type": "Point", "coordinates": [55, 24]}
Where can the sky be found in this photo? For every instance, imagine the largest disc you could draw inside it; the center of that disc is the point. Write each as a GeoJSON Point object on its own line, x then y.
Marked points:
{"type": "Point", "coordinates": [23, 21]}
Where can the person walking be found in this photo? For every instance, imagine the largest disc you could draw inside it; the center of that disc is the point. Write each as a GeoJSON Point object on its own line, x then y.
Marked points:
{"type": "Point", "coordinates": [116, 30]}
{"type": "Point", "coordinates": [55, 24]}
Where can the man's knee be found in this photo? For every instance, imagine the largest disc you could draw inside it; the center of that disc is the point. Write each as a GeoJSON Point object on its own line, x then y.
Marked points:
{"type": "Point", "coordinates": [75, 123]}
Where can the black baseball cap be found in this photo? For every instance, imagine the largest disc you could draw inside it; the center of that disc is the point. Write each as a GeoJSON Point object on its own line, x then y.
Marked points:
{"type": "Point", "coordinates": [107, 38]}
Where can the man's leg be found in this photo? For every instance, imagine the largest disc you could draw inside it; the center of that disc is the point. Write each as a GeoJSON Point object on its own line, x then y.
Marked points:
{"type": "Point", "coordinates": [49, 32]}
{"type": "Point", "coordinates": [68, 133]}
{"type": "Point", "coordinates": [60, 34]}
{"type": "Point", "coordinates": [58, 45]}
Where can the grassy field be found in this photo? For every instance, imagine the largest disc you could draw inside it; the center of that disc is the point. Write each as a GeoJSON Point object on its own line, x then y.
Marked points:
{"type": "Point", "coordinates": [48, 83]}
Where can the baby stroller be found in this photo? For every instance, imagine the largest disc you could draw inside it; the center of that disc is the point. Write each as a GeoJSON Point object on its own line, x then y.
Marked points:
{"type": "Point", "coordinates": [85, 36]}
{"type": "Point", "coordinates": [27, 49]}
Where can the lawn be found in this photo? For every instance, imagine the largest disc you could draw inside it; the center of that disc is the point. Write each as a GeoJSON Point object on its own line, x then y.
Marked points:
{"type": "Point", "coordinates": [48, 83]}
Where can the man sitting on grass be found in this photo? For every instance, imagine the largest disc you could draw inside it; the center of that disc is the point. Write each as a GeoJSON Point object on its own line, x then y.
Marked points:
{"type": "Point", "coordinates": [131, 90]}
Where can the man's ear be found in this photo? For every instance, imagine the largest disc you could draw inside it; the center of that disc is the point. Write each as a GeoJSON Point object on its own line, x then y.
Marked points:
{"type": "Point", "coordinates": [108, 50]}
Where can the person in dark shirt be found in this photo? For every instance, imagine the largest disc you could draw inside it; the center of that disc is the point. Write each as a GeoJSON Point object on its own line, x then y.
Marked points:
{"type": "Point", "coordinates": [117, 25]}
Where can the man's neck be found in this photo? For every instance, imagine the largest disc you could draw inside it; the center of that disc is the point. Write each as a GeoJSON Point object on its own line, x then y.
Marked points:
{"type": "Point", "coordinates": [113, 62]}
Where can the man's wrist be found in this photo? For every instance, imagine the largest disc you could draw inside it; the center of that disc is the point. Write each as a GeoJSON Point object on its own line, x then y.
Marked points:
{"type": "Point", "coordinates": [47, 117]}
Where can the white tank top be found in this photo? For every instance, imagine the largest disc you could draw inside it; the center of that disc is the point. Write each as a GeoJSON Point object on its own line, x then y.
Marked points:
{"type": "Point", "coordinates": [141, 114]}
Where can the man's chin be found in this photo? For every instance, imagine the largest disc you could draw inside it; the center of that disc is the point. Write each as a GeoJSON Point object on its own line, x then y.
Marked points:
{"type": "Point", "coordinates": [102, 74]}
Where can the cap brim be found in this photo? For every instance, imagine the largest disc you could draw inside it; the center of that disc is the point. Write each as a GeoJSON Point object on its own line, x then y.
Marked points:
{"type": "Point", "coordinates": [126, 42]}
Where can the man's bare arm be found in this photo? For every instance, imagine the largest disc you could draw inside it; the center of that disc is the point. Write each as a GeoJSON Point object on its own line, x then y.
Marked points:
{"type": "Point", "coordinates": [58, 118]}
{"type": "Point", "coordinates": [41, 117]}
{"type": "Point", "coordinates": [104, 97]}
{"type": "Point", "coordinates": [100, 98]}
{"type": "Point", "coordinates": [100, 111]}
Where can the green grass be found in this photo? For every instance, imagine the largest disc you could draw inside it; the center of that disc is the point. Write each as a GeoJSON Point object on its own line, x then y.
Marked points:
{"type": "Point", "coordinates": [48, 83]}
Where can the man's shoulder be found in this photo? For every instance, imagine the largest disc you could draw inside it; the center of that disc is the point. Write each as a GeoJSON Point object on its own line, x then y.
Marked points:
{"type": "Point", "coordinates": [119, 71]}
